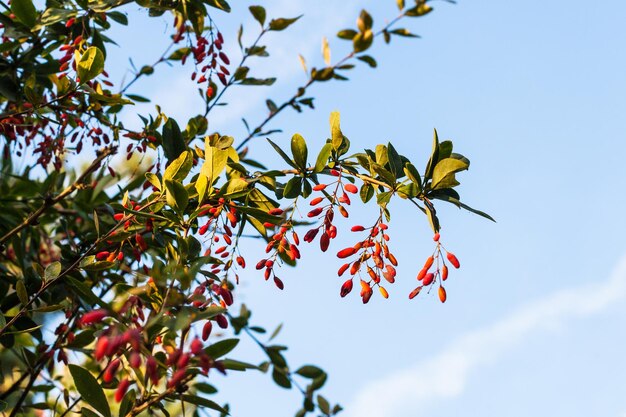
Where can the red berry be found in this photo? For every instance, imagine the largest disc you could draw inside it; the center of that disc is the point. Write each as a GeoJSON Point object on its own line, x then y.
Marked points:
{"type": "Point", "coordinates": [453, 260]}
{"type": "Point", "coordinates": [121, 390]}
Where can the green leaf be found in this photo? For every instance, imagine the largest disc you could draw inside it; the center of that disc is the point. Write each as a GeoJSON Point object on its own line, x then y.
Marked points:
{"type": "Point", "coordinates": [258, 81]}
{"type": "Point", "coordinates": [154, 180]}
{"type": "Point", "coordinates": [86, 412]}
{"type": "Point", "coordinates": [322, 158]}
{"type": "Point", "coordinates": [178, 169]}
{"type": "Point", "coordinates": [434, 157]}
{"type": "Point", "coordinates": [90, 390]}
{"type": "Point", "coordinates": [280, 378]}
{"type": "Point", "coordinates": [365, 21]}
{"type": "Point", "coordinates": [347, 34]}
{"type": "Point", "coordinates": [203, 402]}
{"type": "Point", "coordinates": [368, 60]}
{"type": "Point", "coordinates": [275, 332]}
{"type": "Point", "coordinates": [282, 23]}
{"type": "Point", "coordinates": [412, 173]}
{"type": "Point", "coordinates": [24, 11]}
{"type": "Point", "coordinates": [362, 41]}
{"type": "Point", "coordinates": [443, 174]}
{"type": "Point", "coordinates": [85, 292]}
{"type": "Point", "coordinates": [299, 151]}
{"type": "Point", "coordinates": [382, 199]}
{"type": "Point", "coordinates": [432, 216]}
{"type": "Point", "coordinates": [367, 192]}
{"type": "Point", "coordinates": [335, 130]}
{"type": "Point", "coordinates": [219, 4]}
{"type": "Point", "coordinates": [282, 154]}
{"type": "Point", "coordinates": [173, 141]}
{"type": "Point", "coordinates": [258, 12]}
{"type": "Point", "coordinates": [395, 161]}
{"type": "Point", "coordinates": [309, 371]}
{"type": "Point", "coordinates": [176, 195]}
{"type": "Point", "coordinates": [52, 271]}
{"type": "Point", "coordinates": [215, 160]}
{"type": "Point", "coordinates": [127, 403]}
{"type": "Point", "coordinates": [22, 294]}
{"type": "Point", "coordinates": [293, 188]}
{"type": "Point", "coordinates": [323, 404]}
{"type": "Point", "coordinates": [221, 348]}
{"type": "Point", "coordinates": [90, 64]}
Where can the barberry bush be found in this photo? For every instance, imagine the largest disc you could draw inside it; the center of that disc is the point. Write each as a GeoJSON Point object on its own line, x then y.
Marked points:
{"type": "Point", "coordinates": [119, 289]}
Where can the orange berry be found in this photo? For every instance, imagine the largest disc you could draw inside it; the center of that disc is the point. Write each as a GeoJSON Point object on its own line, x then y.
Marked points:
{"type": "Point", "coordinates": [453, 260]}
{"type": "Point", "coordinates": [442, 294]}
{"type": "Point", "coordinates": [347, 252]}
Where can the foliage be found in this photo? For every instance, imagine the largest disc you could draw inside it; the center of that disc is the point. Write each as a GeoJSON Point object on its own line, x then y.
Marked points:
{"type": "Point", "coordinates": [133, 270]}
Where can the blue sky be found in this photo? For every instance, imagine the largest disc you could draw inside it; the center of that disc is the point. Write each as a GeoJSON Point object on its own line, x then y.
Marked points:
{"type": "Point", "coordinates": [534, 94]}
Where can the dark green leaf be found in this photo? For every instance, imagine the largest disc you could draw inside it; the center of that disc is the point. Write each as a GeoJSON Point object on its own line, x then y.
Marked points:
{"type": "Point", "coordinates": [24, 11]}
{"type": "Point", "coordinates": [259, 14]}
{"type": "Point", "coordinates": [282, 23]}
{"type": "Point", "coordinates": [368, 60]}
{"type": "Point", "coordinates": [322, 158]}
{"type": "Point", "coordinates": [309, 371]}
{"type": "Point", "coordinates": [90, 390]}
{"type": "Point", "coordinates": [293, 188]}
{"type": "Point", "coordinates": [173, 142]}
{"type": "Point", "coordinates": [282, 154]}
{"type": "Point", "coordinates": [281, 379]}
{"type": "Point", "coordinates": [221, 348]}
{"type": "Point", "coordinates": [176, 195]}
{"type": "Point", "coordinates": [203, 402]}
{"type": "Point", "coordinates": [347, 34]}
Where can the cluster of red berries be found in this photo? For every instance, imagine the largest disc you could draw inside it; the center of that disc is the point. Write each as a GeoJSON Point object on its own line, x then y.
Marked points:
{"type": "Point", "coordinates": [373, 255]}
{"type": "Point", "coordinates": [329, 230]}
{"type": "Point", "coordinates": [209, 58]}
{"type": "Point", "coordinates": [223, 217]}
{"type": "Point", "coordinates": [427, 278]}
{"type": "Point", "coordinates": [279, 244]}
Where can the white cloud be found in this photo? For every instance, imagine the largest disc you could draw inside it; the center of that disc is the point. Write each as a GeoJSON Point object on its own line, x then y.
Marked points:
{"type": "Point", "coordinates": [446, 374]}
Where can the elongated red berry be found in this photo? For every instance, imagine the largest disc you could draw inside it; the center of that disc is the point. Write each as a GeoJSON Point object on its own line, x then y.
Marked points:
{"type": "Point", "coordinates": [347, 252]}
{"type": "Point", "coordinates": [343, 269]}
{"type": "Point", "coordinates": [436, 237]}
{"type": "Point", "coordinates": [102, 255]}
{"type": "Point", "coordinates": [319, 187]}
{"type": "Point", "coordinates": [442, 294]}
{"type": "Point", "coordinates": [101, 348]}
{"type": "Point", "coordinates": [429, 263]}
{"type": "Point", "coordinates": [121, 389]}
{"type": "Point", "coordinates": [93, 316]}
{"type": "Point", "coordinates": [428, 279]}
{"type": "Point", "coordinates": [357, 228]}
{"type": "Point", "coordinates": [176, 378]}
{"type": "Point", "coordinates": [346, 288]}
{"type": "Point", "coordinates": [351, 188]}
{"type": "Point", "coordinates": [118, 216]}
{"type": "Point", "coordinates": [316, 201]}
{"type": "Point", "coordinates": [453, 260]}
{"type": "Point", "coordinates": [109, 373]}
{"type": "Point", "coordinates": [324, 242]}
{"type": "Point", "coordinates": [206, 330]}
{"type": "Point", "coordinates": [422, 274]}
{"type": "Point", "coordinates": [315, 212]}
{"type": "Point", "coordinates": [222, 321]}
{"type": "Point", "coordinates": [276, 211]}
{"type": "Point", "coordinates": [279, 284]}
{"type": "Point", "coordinates": [415, 292]}
{"type": "Point", "coordinates": [444, 273]}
